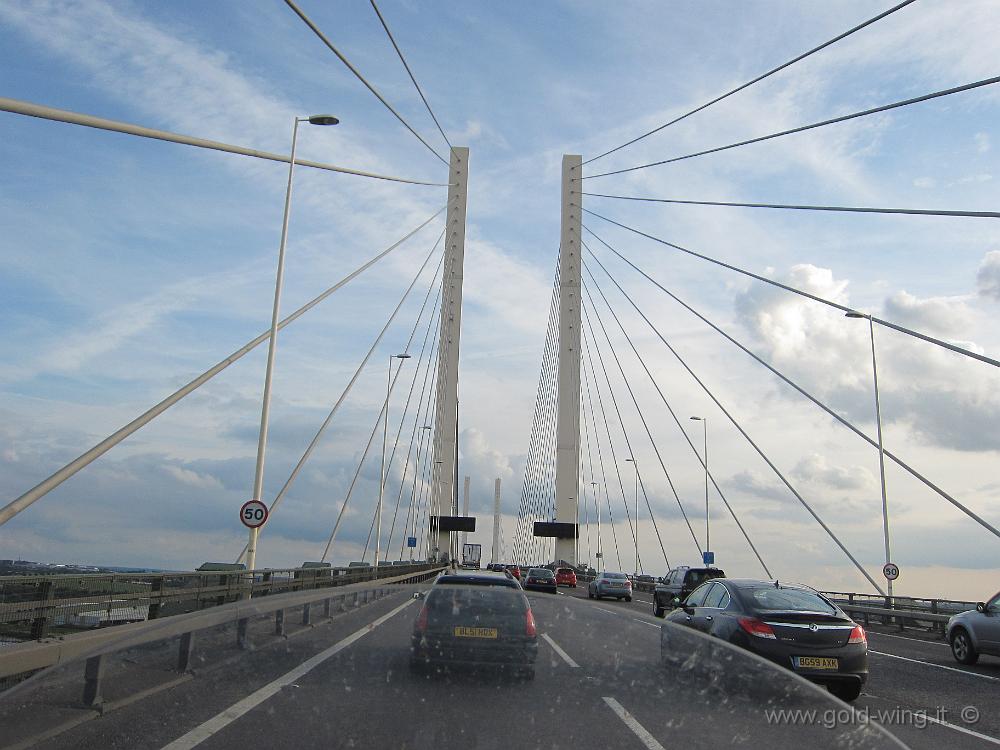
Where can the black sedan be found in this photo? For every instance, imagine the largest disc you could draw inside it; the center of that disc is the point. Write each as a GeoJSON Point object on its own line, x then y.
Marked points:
{"type": "Point", "coordinates": [793, 626]}
{"type": "Point", "coordinates": [476, 620]}
{"type": "Point", "coordinates": [540, 579]}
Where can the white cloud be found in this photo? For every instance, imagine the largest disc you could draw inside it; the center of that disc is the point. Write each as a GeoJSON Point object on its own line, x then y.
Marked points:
{"type": "Point", "coordinates": [988, 276]}
{"type": "Point", "coordinates": [936, 315]}
{"type": "Point", "coordinates": [924, 182]}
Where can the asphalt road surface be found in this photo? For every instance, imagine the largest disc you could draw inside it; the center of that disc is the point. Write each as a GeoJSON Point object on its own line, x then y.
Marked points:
{"type": "Point", "coordinates": [599, 684]}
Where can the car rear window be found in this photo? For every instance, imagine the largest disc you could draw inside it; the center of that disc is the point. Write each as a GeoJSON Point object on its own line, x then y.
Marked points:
{"type": "Point", "coordinates": [540, 573]}
{"type": "Point", "coordinates": [697, 577]}
{"type": "Point", "coordinates": [786, 600]}
{"type": "Point", "coordinates": [616, 576]}
{"type": "Point", "coordinates": [476, 600]}
{"type": "Point", "coordinates": [565, 570]}
{"type": "Point", "coordinates": [469, 581]}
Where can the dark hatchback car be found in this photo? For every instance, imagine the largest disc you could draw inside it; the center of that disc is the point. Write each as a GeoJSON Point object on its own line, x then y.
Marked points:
{"type": "Point", "coordinates": [475, 619]}
{"type": "Point", "coordinates": [540, 579]}
{"type": "Point", "coordinates": [793, 626]}
{"type": "Point", "coordinates": [678, 584]}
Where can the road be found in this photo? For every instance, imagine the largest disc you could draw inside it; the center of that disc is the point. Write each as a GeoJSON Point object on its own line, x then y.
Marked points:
{"type": "Point", "coordinates": [599, 684]}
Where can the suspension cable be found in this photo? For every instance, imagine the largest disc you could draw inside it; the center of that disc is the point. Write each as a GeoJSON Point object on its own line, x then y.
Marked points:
{"type": "Point", "coordinates": [801, 128]}
{"type": "Point", "coordinates": [764, 456]}
{"type": "Point", "coordinates": [410, 72]}
{"type": "Point", "coordinates": [758, 79]}
{"type": "Point", "coordinates": [347, 389]}
{"type": "Point", "coordinates": [898, 461]}
{"type": "Point", "coordinates": [801, 293]}
{"type": "Point", "coordinates": [604, 481]}
{"type": "Point", "coordinates": [315, 29]}
{"type": "Point", "coordinates": [676, 419]}
{"type": "Point", "coordinates": [852, 209]}
{"type": "Point", "coordinates": [47, 485]}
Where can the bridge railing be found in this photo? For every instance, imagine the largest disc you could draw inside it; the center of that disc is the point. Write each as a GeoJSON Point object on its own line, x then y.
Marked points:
{"type": "Point", "coordinates": [33, 607]}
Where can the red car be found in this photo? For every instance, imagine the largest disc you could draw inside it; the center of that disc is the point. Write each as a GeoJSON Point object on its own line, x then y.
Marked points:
{"type": "Point", "coordinates": [566, 577]}
{"type": "Point", "coordinates": [514, 571]}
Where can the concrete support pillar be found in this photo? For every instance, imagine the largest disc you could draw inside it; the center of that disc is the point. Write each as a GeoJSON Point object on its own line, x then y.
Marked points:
{"type": "Point", "coordinates": [446, 413]}
{"type": "Point", "coordinates": [568, 415]}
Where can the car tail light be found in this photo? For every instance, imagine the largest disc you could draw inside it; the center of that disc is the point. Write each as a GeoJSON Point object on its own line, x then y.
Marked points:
{"type": "Point", "coordinates": [757, 628]}
{"type": "Point", "coordinates": [529, 625]}
{"type": "Point", "coordinates": [858, 635]}
{"type": "Point", "coordinates": [422, 619]}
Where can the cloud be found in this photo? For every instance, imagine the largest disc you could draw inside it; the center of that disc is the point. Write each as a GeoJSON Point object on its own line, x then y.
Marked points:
{"type": "Point", "coordinates": [816, 469]}
{"type": "Point", "coordinates": [924, 182]}
{"type": "Point", "coordinates": [936, 315]}
{"type": "Point", "coordinates": [988, 276]}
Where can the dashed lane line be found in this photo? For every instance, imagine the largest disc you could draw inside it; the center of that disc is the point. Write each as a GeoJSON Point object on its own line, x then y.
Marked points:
{"type": "Point", "coordinates": [630, 721]}
{"type": "Point", "coordinates": [947, 724]}
{"type": "Point", "coordinates": [936, 666]}
{"type": "Point", "coordinates": [219, 722]}
{"type": "Point", "coordinates": [558, 649]}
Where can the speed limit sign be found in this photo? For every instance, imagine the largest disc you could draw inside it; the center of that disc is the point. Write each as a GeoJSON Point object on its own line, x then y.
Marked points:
{"type": "Point", "coordinates": [253, 514]}
{"type": "Point", "coordinates": [890, 571]}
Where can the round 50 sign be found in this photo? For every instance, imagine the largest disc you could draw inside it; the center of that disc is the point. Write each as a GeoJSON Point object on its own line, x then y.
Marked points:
{"type": "Point", "coordinates": [253, 514]}
{"type": "Point", "coordinates": [890, 571]}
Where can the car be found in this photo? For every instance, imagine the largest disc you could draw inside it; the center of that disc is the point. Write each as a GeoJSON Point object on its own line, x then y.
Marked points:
{"type": "Point", "coordinates": [474, 620]}
{"type": "Point", "coordinates": [790, 625]}
{"type": "Point", "coordinates": [975, 632]}
{"type": "Point", "coordinates": [514, 570]}
{"type": "Point", "coordinates": [610, 584]}
{"type": "Point", "coordinates": [675, 586]}
{"type": "Point", "coordinates": [646, 579]}
{"type": "Point", "coordinates": [540, 579]}
{"type": "Point", "coordinates": [566, 577]}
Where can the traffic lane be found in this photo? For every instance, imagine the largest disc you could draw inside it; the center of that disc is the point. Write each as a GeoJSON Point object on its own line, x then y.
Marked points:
{"type": "Point", "coordinates": [159, 719]}
{"type": "Point", "coordinates": [366, 696]}
{"type": "Point", "coordinates": [619, 655]}
{"type": "Point", "coordinates": [902, 698]}
{"type": "Point", "coordinates": [937, 653]}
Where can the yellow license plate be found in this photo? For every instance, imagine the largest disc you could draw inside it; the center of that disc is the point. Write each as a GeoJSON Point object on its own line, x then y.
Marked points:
{"type": "Point", "coordinates": [464, 632]}
{"type": "Point", "coordinates": [817, 662]}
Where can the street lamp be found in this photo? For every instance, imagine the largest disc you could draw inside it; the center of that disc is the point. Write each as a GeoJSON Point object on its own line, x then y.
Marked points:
{"type": "Point", "coordinates": [635, 465]}
{"type": "Point", "coordinates": [420, 444]}
{"type": "Point", "coordinates": [881, 451]}
{"type": "Point", "coordinates": [708, 545]}
{"type": "Point", "coordinates": [265, 412]}
{"type": "Point", "coordinates": [382, 477]}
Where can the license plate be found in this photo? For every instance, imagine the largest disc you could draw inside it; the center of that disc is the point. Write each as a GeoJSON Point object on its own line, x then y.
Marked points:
{"type": "Point", "coordinates": [464, 632]}
{"type": "Point", "coordinates": [815, 662]}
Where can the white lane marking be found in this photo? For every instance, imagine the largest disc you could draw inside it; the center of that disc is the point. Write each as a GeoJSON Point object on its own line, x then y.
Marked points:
{"type": "Point", "coordinates": [906, 638]}
{"type": "Point", "coordinates": [609, 611]}
{"type": "Point", "coordinates": [947, 724]}
{"type": "Point", "coordinates": [937, 666]}
{"type": "Point", "coordinates": [555, 647]}
{"type": "Point", "coordinates": [640, 731]}
{"type": "Point", "coordinates": [646, 622]}
{"type": "Point", "coordinates": [219, 722]}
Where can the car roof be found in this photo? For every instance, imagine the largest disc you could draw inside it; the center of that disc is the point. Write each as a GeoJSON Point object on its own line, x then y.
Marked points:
{"type": "Point", "coordinates": [742, 583]}
{"type": "Point", "coordinates": [478, 578]}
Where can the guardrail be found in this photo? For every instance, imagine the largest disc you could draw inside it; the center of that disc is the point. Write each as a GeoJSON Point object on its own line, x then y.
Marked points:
{"type": "Point", "coordinates": [33, 607]}
{"type": "Point", "coordinates": [23, 659]}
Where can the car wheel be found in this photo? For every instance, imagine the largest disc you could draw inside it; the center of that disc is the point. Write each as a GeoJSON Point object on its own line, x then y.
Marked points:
{"type": "Point", "coordinates": [589, 594]}
{"type": "Point", "coordinates": [628, 598]}
{"type": "Point", "coordinates": [658, 611]}
{"type": "Point", "coordinates": [962, 648]}
{"type": "Point", "coordinates": [846, 691]}
{"type": "Point", "coordinates": [598, 597]}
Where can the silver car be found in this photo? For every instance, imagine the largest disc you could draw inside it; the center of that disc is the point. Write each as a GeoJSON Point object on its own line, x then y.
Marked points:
{"type": "Point", "coordinates": [975, 632]}
{"type": "Point", "coordinates": [610, 584]}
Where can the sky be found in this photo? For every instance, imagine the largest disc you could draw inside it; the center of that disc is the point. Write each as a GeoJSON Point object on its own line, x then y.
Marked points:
{"type": "Point", "coordinates": [128, 266]}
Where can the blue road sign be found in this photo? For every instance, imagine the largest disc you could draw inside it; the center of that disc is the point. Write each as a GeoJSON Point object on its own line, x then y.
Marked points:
{"type": "Point", "coordinates": [411, 541]}
{"type": "Point", "coordinates": [708, 558]}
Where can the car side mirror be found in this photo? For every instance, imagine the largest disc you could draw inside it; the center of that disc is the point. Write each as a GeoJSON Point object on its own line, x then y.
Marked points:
{"type": "Point", "coordinates": [981, 607]}
{"type": "Point", "coordinates": [688, 610]}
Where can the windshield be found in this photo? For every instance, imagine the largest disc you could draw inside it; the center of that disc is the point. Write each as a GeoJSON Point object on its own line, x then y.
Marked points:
{"type": "Point", "coordinates": [314, 313]}
{"type": "Point", "coordinates": [786, 600]}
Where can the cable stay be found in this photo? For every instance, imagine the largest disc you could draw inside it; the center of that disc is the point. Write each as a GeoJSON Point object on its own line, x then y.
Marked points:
{"type": "Point", "coordinates": [758, 79]}
{"type": "Point", "coordinates": [357, 74]}
{"type": "Point", "coordinates": [677, 421]}
{"type": "Point", "coordinates": [410, 72]}
{"type": "Point", "coordinates": [642, 417]}
{"type": "Point", "coordinates": [347, 389]}
{"type": "Point", "coordinates": [766, 459]}
{"type": "Point", "coordinates": [47, 485]}
{"type": "Point", "coordinates": [802, 128]}
{"type": "Point", "coordinates": [850, 209]}
{"type": "Point", "coordinates": [788, 381]}
{"type": "Point", "coordinates": [603, 483]}
{"type": "Point", "coordinates": [800, 292]}
{"type": "Point", "coordinates": [621, 422]}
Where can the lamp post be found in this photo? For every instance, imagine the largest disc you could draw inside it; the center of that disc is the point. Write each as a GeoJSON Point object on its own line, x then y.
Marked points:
{"type": "Point", "coordinates": [881, 451]}
{"type": "Point", "coordinates": [635, 465]}
{"type": "Point", "coordinates": [708, 539]}
{"type": "Point", "coordinates": [600, 545]}
{"type": "Point", "coordinates": [382, 478]}
{"type": "Point", "coordinates": [420, 444]}
{"type": "Point", "coordinates": [265, 412]}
